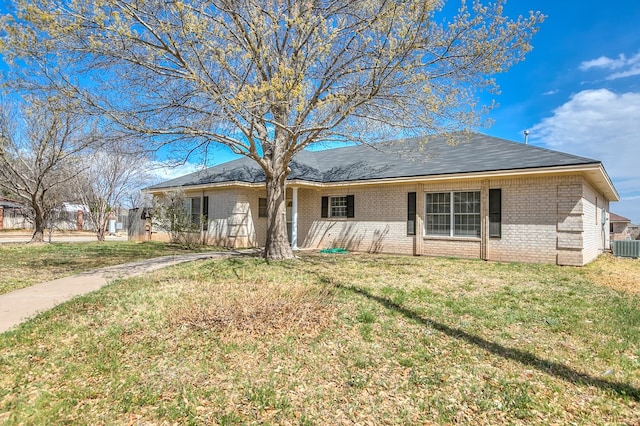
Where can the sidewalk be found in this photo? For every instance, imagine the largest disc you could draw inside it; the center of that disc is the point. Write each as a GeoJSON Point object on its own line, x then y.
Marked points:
{"type": "Point", "coordinates": [21, 305]}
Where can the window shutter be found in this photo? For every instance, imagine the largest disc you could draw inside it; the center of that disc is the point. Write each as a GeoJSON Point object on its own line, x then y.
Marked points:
{"type": "Point", "coordinates": [350, 208]}
{"type": "Point", "coordinates": [495, 213]}
{"type": "Point", "coordinates": [205, 213]}
{"type": "Point", "coordinates": [411, 213]}
{"type": "Point", "coordinates": [262, 207]}
{"type": "Point", "coordinates": [324, 212]}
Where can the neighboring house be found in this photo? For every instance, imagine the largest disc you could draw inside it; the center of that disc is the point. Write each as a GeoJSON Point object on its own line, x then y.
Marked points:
{"type": "Point", "coordinates": [619, 227]}
{"type": "Point", "coordinates": [482, 197]}
{"type": "Point", "coordinates": [69, 217]}
{"type": "Point", "coordinates": [12, 215]}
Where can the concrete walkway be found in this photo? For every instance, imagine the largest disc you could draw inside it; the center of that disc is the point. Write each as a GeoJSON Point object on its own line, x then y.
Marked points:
{"type": "Point", "coordinates": [21, 305]}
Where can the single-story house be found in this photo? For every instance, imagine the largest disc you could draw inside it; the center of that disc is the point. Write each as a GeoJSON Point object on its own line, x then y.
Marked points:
{"type": "Point", "coordinates": [619, 227]}
{"type": "Point", "coordinates": [479, 197]}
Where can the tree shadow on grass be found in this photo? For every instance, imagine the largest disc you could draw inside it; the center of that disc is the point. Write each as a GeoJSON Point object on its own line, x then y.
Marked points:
{"type": "Point", "coordinates": [556, 369]}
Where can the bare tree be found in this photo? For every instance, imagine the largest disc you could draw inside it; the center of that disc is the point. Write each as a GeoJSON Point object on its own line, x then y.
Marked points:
{"type": "Point", "coordinates": [112, 173]}
{"type": "Point", "coordinates": [268, 78]}
{"type": "Point", "coordinates": [39, 143]}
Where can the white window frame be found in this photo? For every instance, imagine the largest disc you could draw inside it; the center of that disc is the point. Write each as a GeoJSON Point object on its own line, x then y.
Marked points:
{"type": "Point", "coordinates": [451, 212]}
{"type": "Point", "coordinates": [338, 206]}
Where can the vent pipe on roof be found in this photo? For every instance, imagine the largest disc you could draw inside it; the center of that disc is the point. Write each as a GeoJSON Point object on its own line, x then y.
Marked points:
{"type": "Point", "coordinates": [526, 137]}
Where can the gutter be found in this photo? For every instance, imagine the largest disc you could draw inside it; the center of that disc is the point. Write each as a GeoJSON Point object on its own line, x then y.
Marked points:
{"type": "Point", "coordinates": [599, 178]}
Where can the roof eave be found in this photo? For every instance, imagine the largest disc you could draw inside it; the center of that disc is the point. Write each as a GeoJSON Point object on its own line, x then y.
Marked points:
{"type": "Point", "coordinates": [202, 187]}
{"type": "Point", "coordinates": [595, 172]}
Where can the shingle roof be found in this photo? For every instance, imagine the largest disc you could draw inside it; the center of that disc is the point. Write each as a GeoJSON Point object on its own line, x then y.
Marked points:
{"type": "Point", "coordinates": [617, 218]}
{"type": "Point", "coordinates": [430, 156]}
{"type": "Point", "coordinates": [9, 204]}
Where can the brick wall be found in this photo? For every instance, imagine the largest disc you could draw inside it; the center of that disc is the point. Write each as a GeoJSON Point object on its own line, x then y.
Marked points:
{"type": "Point", "coordinates": [554, 219]}
{"type": "Point", "coordinates": [529, 220]}
{"type": "Point", "coordinates": [542, 221]}
{"type": "Point", "coordinates": [231, 221]}
{"type": "Point", "coordinates": [231, 217]}
{"type": "Point", "coordinates": [379, 225]}
{"type": "Point", "coordinates": [595, 229]}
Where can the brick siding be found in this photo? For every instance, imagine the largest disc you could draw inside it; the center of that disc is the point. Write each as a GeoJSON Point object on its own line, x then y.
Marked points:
{"type": "Point", "coordinates": [550, 219]}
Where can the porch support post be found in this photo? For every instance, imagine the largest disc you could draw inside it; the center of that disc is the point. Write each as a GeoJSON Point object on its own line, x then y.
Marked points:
{"type": "Point", "coordinates": [418, 238]}
{"type": "Point", "coordinates": [484, 214]}
{"type": "Point", "coordinates": [294, 219]}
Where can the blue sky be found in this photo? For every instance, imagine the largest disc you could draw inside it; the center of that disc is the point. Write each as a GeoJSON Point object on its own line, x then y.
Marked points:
{"type": "Point", "coordinates": [578, 91]}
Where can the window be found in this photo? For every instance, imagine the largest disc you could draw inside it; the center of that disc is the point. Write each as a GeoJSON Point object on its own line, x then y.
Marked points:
{"type": "Point", "coordinates": [466, 214]}
{"type": "Point", "coordinates": [192, 209]}
{"type": "Point", "coordinates": [411, 213]}
{"type": "Point", "coordinates": [454, 214]}
{"type": "Point", "coordinates": [262, 207]}
{"type": "Point", "coordinates": [341, 206]}
{"type": "Point", "coordinates": [495, 213]}
{"type": "Point", "coordinates": [197, 209]}
{"type": "Point", "coordinates": [338, 206]}
{"type": "Point", "coordinates": [438, 214]}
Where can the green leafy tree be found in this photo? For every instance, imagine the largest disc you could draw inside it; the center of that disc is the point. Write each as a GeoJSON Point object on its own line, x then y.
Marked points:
{"type": "Point", "coordinates": [269, 78]}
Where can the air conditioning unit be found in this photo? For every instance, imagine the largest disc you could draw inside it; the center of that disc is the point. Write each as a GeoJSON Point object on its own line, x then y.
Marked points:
{"type": "Point", "coordinates": [626, 248]}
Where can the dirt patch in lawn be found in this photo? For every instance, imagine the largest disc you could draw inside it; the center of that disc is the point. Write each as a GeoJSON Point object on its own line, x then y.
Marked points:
{"type": "Point", "coordinates": [257, 309]}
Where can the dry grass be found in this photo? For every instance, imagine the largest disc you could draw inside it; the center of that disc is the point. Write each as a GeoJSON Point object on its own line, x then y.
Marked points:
{"type": "Point", "coordinates": [22, 265]}
{"type": "Point", "coordinates": [333, 340]}
{"type": "Point", "coordinates": [255, 310]}
{"type": "Point", "coordinates": [615, 272]}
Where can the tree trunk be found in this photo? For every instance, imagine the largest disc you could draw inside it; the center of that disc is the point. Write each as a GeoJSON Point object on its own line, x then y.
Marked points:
{"type": "Point", "coordinates": [277, 246]}
{"type": "Point", "coordinates": [38, 225]}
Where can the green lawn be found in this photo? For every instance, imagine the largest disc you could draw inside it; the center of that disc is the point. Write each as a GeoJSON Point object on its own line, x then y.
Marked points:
{"type": "Point", "coordinates": [22, 265]}
{"type": "Point", "coordinates": [336, 339]}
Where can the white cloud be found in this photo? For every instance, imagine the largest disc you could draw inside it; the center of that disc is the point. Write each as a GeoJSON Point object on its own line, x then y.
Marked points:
{"type": "Point", "coordinates": [550, 92]}
{"type": "Point", "coordinates": [165, 170]}
{"type": "Point", "coordinates": [635, 70]}
{"type": "Point", "coordinates": [627, 67]}
{"type": "Point", "coordinates": [604, 62]}
{"type": "Point", "coordinates": [602, 125]}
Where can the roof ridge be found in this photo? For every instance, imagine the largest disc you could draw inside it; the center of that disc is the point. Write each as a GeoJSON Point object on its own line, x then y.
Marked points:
{"type": "Point", "coordinates": [540, 148]}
